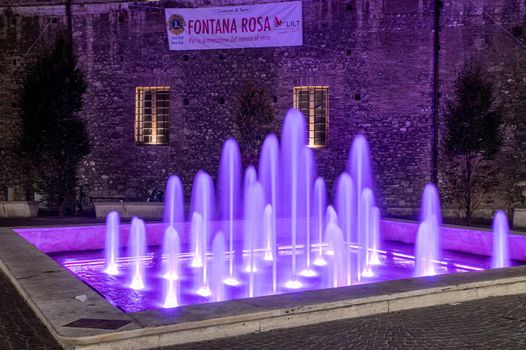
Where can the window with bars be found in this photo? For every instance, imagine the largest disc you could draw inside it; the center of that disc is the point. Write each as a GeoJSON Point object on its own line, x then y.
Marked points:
{"type": "Point", "coordinates": [313, 102]}
{"type": "Point", "coordinates": [152, 115]}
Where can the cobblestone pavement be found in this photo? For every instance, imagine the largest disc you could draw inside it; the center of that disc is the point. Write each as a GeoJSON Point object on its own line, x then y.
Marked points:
{"type": "Point", "coordinates": [494, 323]}
{"type": "Point", "coordinates": [20, 328]}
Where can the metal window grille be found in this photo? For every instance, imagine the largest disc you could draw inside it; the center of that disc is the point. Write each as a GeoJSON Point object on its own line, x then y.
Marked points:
{"type": "Point", "coordinates": [152, 115]}
{"type": "Point", "coordinates": [313, 102]}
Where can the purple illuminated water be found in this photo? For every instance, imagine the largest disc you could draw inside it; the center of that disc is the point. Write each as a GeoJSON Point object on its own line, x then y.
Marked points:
{"type": "Point", "coordinates": [427, 242]}
{"type": "Point", "coordinates": [267, 233]}
{"type": "Point", "coordinates": [500, 240]}
{"type": "Point", "coordinates": [112, 243]}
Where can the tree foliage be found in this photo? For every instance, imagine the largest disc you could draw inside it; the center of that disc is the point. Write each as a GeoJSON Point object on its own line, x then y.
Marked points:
{"type": "Point", "coordinates": [53, 138]}
{"type": "Point", "coordinates": [472, 137]}
{"type": "Point", "coordinates": [254, 118]}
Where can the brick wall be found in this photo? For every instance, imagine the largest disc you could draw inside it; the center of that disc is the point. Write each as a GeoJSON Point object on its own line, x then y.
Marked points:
{"type": "Point", "coordinates": [376, 57]}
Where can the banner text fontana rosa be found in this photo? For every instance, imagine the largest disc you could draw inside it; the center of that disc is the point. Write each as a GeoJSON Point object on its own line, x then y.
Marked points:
{"type": "Point", "coordinates": [229, 25]}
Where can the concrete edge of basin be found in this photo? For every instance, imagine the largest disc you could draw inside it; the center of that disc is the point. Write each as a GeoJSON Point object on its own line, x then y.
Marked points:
{"type": "Point", "coordinates": [156, 328]}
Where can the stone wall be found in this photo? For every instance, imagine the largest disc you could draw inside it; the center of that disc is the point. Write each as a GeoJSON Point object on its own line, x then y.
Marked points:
{"type": "Point", "coordinates": [375, 56]}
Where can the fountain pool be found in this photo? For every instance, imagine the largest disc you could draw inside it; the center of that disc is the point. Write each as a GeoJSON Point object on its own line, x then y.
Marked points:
{"type": "Point", "coordinates": [271, 232]}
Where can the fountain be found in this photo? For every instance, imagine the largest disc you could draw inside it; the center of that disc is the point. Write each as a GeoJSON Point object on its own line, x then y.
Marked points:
{"type": "Point", "coordinates": [254, 212]}
{"type": "Point", "coordinates": [292, 144]}
{"type": "Point", "coordinates": [308, 176]}
{"type": "Point", "coordinates": [229, 190]}
{"type": "Point", "coordinates": [171, 248]}
{"type": "Point", "coordinates": [320, 203]}
{"type": "Point", "coordinates": [112, 243]}
{"type": "Point", "coordinates": [174, 203]}
{"type": "Point", "coordinates": [269, 232]}
{"type": "Point", "coordinates": [217, 273]}
{"type": "Point", "coordinates": [427, 240]}
{"type": "Point", "coordinates": [274, 231]}
{"type": "Point", "coordinates": [340, 270]}
{"type": "Point", "coordinates": [374, 258]}
{"type": "Point", "coordinates": [137, 250]}
{"type": "Point", "coordinates": [365, 231]}
{"type": "Point", "coordinates": [500, 240]}
{"type": "Point", "coordinates": [202, 203]}
{"type": "Point", "coordinates": [346, 211]}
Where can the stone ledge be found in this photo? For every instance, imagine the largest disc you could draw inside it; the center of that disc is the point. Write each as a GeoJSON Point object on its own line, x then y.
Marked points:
{"type": "Point", "coordinates": [18, 209]}
{"type": "Point", "coordinates": [126, 210]}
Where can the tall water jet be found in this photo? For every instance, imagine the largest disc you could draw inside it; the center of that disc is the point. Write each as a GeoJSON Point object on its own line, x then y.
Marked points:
{"type": "Point", "coordinates": [431, 204]}
{"type": "Point", "coordinates": [137, 250]}
{"type": "Point", "coordinates": [171, 250]}
{"type": "Point", "coordinates": [292, 143]}
{"type": "Point", "coordinates": [345, 206]}
{"type": "Point", "coordinates": [374, 257]}
{"type": "Point", "coordinates": [254, 209]}
{"type": "Point", "coordinates": [334, 236]}
{"type": "Point", "coordinates": [365, 232]}
{"type": "Point", "coordinates": [197, 238]}
{"type": "Point", "coordinates": [320, 203]}
{"type": "Point", "coordinates": [249, 181]}
{"type": "Point", "coordinates": [359, 166]}
{"type": "Point", "coordinates": [202, 203]}
{"type": "Point", "coordinates": [229, 189]}
{"type": "Point", "coordinates": [426, 247]}
{"type": "Point", "coordinates": [112, 243]}
{"type": "Point", "coordinates": [218, 267]}
{"type": "Point", "coordinates": [427, 241]}
{"type": "Point", "coordinates": [330, 216]}
{"type": "Point", "coordinates": [307, 175]}
{"type": "Point", "coordinates": [269, 232]}
{"type": "Point", "coordinates": [501, 229]}
{"type": "Point", "coordinates": [269, 170]}
{"type": "Point", "coordinates": [174, 203]}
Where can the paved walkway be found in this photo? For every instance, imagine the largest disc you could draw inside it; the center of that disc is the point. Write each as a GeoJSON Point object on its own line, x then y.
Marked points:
{"type": "Point", "coordinates": [20, 329]}
{"type": "Point", "coordinates": [494, 323]}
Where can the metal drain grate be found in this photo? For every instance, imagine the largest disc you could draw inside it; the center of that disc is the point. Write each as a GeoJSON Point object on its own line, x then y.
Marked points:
{"type": "Point", "coordinates": [97, 323]}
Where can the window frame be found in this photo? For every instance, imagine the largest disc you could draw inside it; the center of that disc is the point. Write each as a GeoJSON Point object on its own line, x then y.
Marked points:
{"type": "Point", "coordinates": [311, 117]}
{"type": "Point", "coordinates": [155, 120]}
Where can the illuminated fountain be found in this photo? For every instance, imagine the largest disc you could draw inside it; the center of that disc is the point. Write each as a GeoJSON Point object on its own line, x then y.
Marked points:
{"type": "Point", "coordinates": [137, 250]}
{"type": "Point", "coordinates": [320, 203]}
{"type": "Point", "coordinates": [274, 230]}
{"type": "Point", "coordinates": [112, 243]}
{"type": "Point", "coordinates": [500, 240]}
{"type": "Point", "coordinates": [427, 242]}
{"type": "Point", "coordinates": [229, 193]}
{"type": "Point", "coordinates": [293, 142]}
{"type": "Point", "coordinates": [171, 250]}
{"type": "Point", "coordinates": [217, 271]}
{"type": "Point", "coordinates": [308, 179]}
{"type": "Point", "coordinates": [346, 214]}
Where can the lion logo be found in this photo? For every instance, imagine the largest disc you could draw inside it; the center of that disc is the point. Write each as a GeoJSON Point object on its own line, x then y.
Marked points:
{"type": "Point", "coordinates": [176, 24]}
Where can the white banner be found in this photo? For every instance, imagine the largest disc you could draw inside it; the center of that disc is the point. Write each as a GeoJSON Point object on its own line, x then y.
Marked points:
{"type": "Point", "coordinates": [264, 25]}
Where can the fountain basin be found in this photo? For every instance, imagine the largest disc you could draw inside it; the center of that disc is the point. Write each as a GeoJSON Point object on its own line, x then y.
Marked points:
{"type": "Point", "coordinates": [51, 291]}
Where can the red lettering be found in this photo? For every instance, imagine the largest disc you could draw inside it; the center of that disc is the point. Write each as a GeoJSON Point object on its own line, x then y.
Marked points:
{"type": "Point", "coordinates": [252, 24]}
{"type": "Point", "coordinates": [244, 22]}
{"type": "Point", "coordinates": [267, 24]}
{"type": "Point", "coordinates": [260, 24]}
{"type": "Point", "coordinates": [190, 26]}
{"type": "Point", "coordinates": [206, 27]}
{"type": "Point", "coordinates": [218, 27]}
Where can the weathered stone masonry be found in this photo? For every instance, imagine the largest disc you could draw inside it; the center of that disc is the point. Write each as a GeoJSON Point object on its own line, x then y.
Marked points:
{"type": "Point", "coordinates": [375, 56]}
